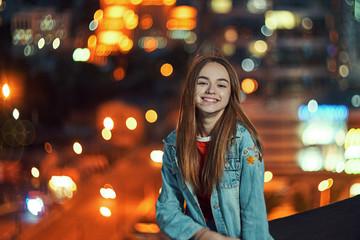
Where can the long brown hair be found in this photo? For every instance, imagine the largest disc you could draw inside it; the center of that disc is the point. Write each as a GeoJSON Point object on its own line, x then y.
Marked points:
{"type": "Point", "coordinates": [221, 134]}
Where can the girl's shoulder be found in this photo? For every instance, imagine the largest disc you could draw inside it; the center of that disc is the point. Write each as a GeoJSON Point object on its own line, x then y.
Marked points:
{"type": "Point", "coordinates": [171, 138]}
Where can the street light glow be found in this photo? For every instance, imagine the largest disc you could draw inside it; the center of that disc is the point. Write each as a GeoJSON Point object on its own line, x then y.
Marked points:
{"type": "Point", "coordinates": [35, 172]}
{"type": "Point", "coordinates": [131, 123]}
{"type": "Point", "coordinates": [105, 211]}
{"type": "Point", "coordinates": [108, 123]}
{"type": "Point", "coordinates": [77, 148]}
{"type": "Point", "coordinates": [16, 114]}
{"type": "Point", "coordinates": [6, 90]}
{"type": "Point", "coordinates": [106, 134]}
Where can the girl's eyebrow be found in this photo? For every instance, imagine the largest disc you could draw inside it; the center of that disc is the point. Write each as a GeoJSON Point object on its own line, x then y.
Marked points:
{"type": "Point", "coordinates": [220, 79]}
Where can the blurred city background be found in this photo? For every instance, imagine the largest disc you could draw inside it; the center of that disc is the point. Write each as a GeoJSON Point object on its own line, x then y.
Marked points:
{"type": "Point", "coordinates": [89, 88]}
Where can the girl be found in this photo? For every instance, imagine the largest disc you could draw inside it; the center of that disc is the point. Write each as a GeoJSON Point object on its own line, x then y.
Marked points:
{"type": "Point", "coordinates": [213, 171]}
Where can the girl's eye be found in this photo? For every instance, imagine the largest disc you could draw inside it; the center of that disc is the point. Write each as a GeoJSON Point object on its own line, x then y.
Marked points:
{"type": "Point", "coordinates": [222, 86]}
{"type": "Point", "coordinates": [201, 83]}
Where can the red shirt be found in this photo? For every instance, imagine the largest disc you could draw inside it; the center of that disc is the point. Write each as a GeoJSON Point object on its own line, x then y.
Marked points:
{"type": "Point", "coordinates": [204, 198]}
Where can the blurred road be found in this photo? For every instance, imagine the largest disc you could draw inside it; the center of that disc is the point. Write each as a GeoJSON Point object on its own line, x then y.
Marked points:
{"type": "Point", "coordinates": [136, 181]}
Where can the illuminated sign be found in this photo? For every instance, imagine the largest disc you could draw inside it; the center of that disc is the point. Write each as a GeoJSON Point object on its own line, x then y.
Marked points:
{"type": "Point", "coordinates": [324, 112]}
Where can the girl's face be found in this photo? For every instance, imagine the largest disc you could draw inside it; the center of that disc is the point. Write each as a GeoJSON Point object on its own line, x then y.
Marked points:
{"type": "Point", "coordinates": [212, 90]}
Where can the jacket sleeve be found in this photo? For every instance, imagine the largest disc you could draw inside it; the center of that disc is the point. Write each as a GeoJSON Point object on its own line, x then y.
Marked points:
{"type": "Point", "coordinates": [170, 204]}
{"type": "Point", "coordinates": [252, 203]}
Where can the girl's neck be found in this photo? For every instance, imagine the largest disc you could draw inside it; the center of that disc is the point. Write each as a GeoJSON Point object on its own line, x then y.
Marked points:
{"type": "Point", "coordinates": [207, 125]}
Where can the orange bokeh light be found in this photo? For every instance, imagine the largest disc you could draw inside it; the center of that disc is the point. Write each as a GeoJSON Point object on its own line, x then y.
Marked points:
{"type": "Point", "coordinates": [146, 22]}
{"type": "Point", "coordinates": [119, 73]}
{"type": "Point", "coordinates": [150, 44]}
{"type": "Point", "coordinates": [166, 69]}
{"type": "Point", "coordinates": [249, 85]}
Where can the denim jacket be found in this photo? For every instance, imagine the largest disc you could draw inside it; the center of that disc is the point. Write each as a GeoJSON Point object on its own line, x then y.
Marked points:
{"type": "Point", "coordinates": [237, 201]}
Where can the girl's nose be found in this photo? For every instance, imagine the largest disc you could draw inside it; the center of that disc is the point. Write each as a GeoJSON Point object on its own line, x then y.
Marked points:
{"type": "Point", "coordinates": [210, 89]}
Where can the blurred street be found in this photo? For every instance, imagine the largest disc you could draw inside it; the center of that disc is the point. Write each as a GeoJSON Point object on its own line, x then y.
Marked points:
{"type": "Point", "coordinates": [136, 182]}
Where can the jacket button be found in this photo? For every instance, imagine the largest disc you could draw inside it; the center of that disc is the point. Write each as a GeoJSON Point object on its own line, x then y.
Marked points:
{"type": "Point", "coordinates": [216, 206]}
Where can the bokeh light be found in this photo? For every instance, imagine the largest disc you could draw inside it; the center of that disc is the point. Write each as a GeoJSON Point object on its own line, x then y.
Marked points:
{"type": "Point", "coordinates": [156, 156]}
{"type": "Point", "coordinates": [106, 212]}
{"type": "Point", "coordinates": [16, 114]}
{"type": "Point", "coordinates": [221, 6]}
{"type": "Point", "coordinates": [41, 43]}
{"type": "Point", "coordinates": [355, 100]}
{"type": "Point", "coordinates": [249, 85]}
{"type": "Point", "coordinates": [106, 134]}
{"type": "Point", "coordinates": [355, 189]}
{"type": "Point", "coordinates": [325, 184]}
{"type": "Point", "coordinates": [131, 123]}
{"type": "Point", "coordinates": [77, 148]}
{"type": "Point", "coordinates": [56, 43]}
{"type": "Point", "coordinates": [151, 116]}
{"type": "Point", "coordinates": [146, 22]}
{"type": "Point", "coordinates": [231, 35]}
{"type": "Point", "coordinates": [119, 73]}
{"type": "Point", "coordinates": [268, 176]}
{"type": "Point", "coordinates": [6, 90]}
{"type": "Point", "coordinates": [108, 123]}
{"type": "Point", "coordinates": [247, 65]}
{"type": "Point", "coordinates": [35, 172]}
{"type": "Point", "coordinates": [166, 69]}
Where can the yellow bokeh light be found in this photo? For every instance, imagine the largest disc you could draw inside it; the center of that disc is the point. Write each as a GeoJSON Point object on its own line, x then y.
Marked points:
{"type": "Point", "coordinates": [92, 41]}
{"type": "Point", "coordinates": [77, 148]}
{"type": "Point", "coordinates": [125, 44]}
{"type": "Point", "coordinates": [268, 176]}
{"type": "Point", "coordinates": [169, 2]}
{"type": "Point", "coordinates": [166, 69]}
{"type": "Point", "coordinates": [352, 138]}
{"type": "Point", "coordinates": [106, 134]}
{"type": "Point", "coordinates": [136, 2]}
{"type": "Point", "coordinates": [326, 184]}
{"type": "Point", "coordinates": [260, 46]}
{"type": "Point", "coordinates": [16, 114]}
{"type": "Point", "coordinates": [355, 189]}
{"type": "Point", "coordinates": [41, 43]}
{"type": "Point", "coordinates": [132, 23]}
{"type": "Point", "coordinates": [131, 123]}
{"type": "Point", "coordinates": [249, 85]}
{"type": "Point", "coordinates": [107, 192]}
{"type": "Point", "coordinates": [221, 6]}
{"type": "Point", "coordinates": [108, 123]}
{"type": "Point", "coordinates": [281, 19]}
{"type": "Point", "coordinates": [6, 90]}
{"type": "Point", "coordinates": [151, 116]}
{"type": "Point", "coordinates": [156, 156]}
{"type": "Point", "coordinates": [344, 71]}
{"type": "Point", "coordinates": [110, 37]}
{"type": "Point", "coordinates": [35, 172]}
{"type": "Point", "coordinates": [98, 15]}
{"type": "Point", "coordinates": [106, 212]}
{"type": "Point", "coordinates": [114, 11]}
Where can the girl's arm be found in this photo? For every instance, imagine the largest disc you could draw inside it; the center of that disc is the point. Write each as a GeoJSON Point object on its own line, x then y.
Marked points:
{"type": "Point", "coordinates": [252, 203]}
{"type": "Point", "coordinates": [170, 204]}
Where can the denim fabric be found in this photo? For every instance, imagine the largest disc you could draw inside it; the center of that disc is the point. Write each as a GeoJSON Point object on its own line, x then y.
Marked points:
{"type": "Point", "coordinates": [237, 201]}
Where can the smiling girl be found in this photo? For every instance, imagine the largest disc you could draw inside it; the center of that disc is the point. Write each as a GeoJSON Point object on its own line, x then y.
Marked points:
{"type": "Point", "coordinates": [213, 170]}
